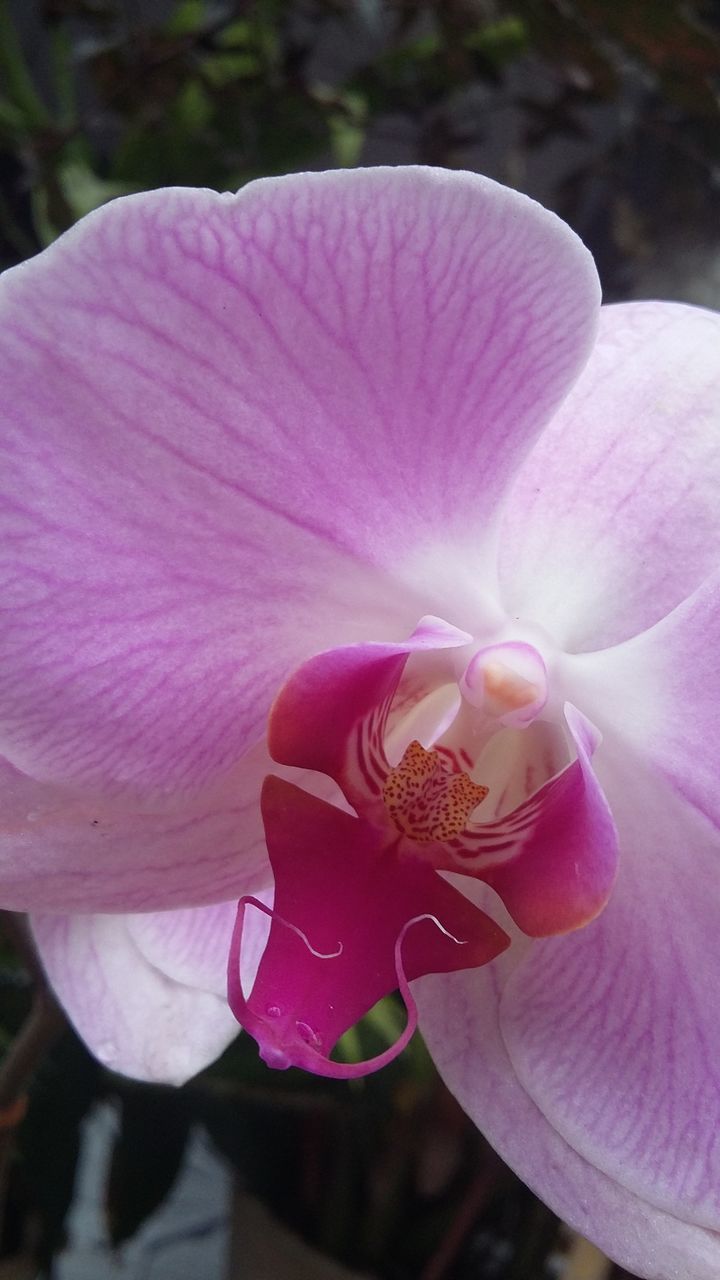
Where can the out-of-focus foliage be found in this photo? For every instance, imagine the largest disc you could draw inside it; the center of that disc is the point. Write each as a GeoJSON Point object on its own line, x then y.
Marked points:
{"type": "Point", "coordinates": [143, 1169]}
{"type": "Point", "coordinates": [65, 1088]}
{"type": "Point", "coordinates": [387, 1175]}
{"type": "Point", "coordinates": [606, 111]}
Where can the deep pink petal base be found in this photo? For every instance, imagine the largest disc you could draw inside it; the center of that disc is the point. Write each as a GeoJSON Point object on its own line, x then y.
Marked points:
{"type": "Point", "coordinates": [350, 924]}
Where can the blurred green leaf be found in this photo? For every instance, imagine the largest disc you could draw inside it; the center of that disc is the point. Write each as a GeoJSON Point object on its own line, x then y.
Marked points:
{"type": "Point", "coordinates": [63, 74]}
{"type": "Point", "coordinates": [44, 204]}
{"type": "Point", "coordinates": [379, 1029]}
{"type": "Point", "coordinates": [84, 191]}
{"type": "Point", "coordinates": [236, 34]}
{"type": "Point", "coordinates": [427, 46]}
{"type": "Point", "coordinates": [387, 1019]}
{"type": "Point", "coordinates": [16, 78]}
{"type": "Point", "coordinates": [499, 41]}
{"type": "Point", "coordinates": [222, 69]}
{"type": "Point", "coordinates": [261, 36]}
{"type": "Point", "coordinates": [11, 118]}
{"type": "Point", "coordinates": [346, 120]}
{"type": "Point", "coordinates": [189, 17]}
{"type": "Point", "coordinates": [193, 106]}
{"type": "Point", "coordinates": [349, 1047]}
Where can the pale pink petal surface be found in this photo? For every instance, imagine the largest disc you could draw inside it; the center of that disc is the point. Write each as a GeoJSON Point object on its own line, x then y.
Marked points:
{"type": "Point", "coordinates": [191, 946]}
{"type": "Point", "coordinates": [123, 983]}
{"type": "Point", "coordinates": [63, 850]}
{"type": "Point", "coordinates": [459, 1017]}
{"type": "Point", "coordinates": [615, 518]}
{"type": "Point", "coordinates": [612, 1033]}
{"type": "Point", "coordinates": [334, 366]}
{"type": "Point", "coordinates": [659, 694]}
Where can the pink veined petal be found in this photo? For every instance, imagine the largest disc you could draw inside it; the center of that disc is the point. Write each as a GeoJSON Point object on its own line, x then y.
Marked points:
{"type": "Point", "coordinates": [61, 850]}
{"type": "Point", "coordinates": [555, 856]}
{"type": "Point", "coordinates": [132, 1011]}
{"type": "Point", "coordinates": [239, 429]}
{"type": "Point", "coordinates": [342, 904]}
{"type": "Point", "coordinates": [331, 713]}
{"type": "Point", "coordinates": [191, 946]}
{"type": "Point", "coordinates": [660, 694]}
{"type": "Point", "coordinates": [612, 1033]}
{"type": "Point", "coordinates": [614, 518]}
{"type": "Point", "coordinates": [188, 946]}
{"type": "Point", "coordinates": [615, 1033]}
{"type": "Point", "coordinates": [459, 1018]}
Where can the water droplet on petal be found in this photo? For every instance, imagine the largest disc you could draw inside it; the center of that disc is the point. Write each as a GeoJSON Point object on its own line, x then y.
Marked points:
{"type": "Point", "coordinates": [307, 1034]}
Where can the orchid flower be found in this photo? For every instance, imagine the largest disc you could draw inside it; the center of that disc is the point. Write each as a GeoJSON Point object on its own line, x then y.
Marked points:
{"type": "Point", "coordinates": [358, 568]}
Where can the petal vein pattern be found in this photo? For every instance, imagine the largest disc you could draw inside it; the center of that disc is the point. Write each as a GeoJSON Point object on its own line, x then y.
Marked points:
{"type": "Point", "coordinates": [611, 1033]}
{"type": "Point", "coordinates": [180, 342]}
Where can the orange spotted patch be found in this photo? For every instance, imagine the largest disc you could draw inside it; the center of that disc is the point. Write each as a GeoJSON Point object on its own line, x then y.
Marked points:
{"type": "Point", "coordinates": [425, 800]}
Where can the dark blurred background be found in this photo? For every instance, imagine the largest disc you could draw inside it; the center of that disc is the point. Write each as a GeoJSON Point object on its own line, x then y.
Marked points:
{"type": "Point", "coordinates": [608, 113]}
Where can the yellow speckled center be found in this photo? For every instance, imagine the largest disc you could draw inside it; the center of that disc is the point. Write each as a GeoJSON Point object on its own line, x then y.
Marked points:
{"type": "Point", "coordinates": [427, 801]}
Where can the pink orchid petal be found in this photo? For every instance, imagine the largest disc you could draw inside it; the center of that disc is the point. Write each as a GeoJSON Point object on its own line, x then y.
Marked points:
{"type": "Point", "coordinates": [188, 946]}
{"type": "Point", "coordinates": [342, 901]}
{"type": "Point", "coordinates": [459, 1018]}
{"type": "Point", "coordinates": [331, 714]}
{"type": "Point", "coordinates": [557, 852]}
{"type": "Point", "coordinates": [614, 1032]}
{"type": "Point", "coordinates": [614, 518]}
{"type": "Point", "coordinates": [660, 692]}
{"type": "Point", "coordinates": [239, 429]}
{"type": "Point", "coordinates": [191, 946]}
{"type": "Point", "coordinates": [62, 851]}
{"type": "Point", "coordinates": [611, 1045]}
{"type": "Point", "coordinates": [136, 1013]}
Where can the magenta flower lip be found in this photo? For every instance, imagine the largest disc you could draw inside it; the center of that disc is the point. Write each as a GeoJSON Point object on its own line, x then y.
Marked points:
{"type": "Point", "coordinates": [241, 433]}
{"type": "Point", "coordinates": [550, 854]}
